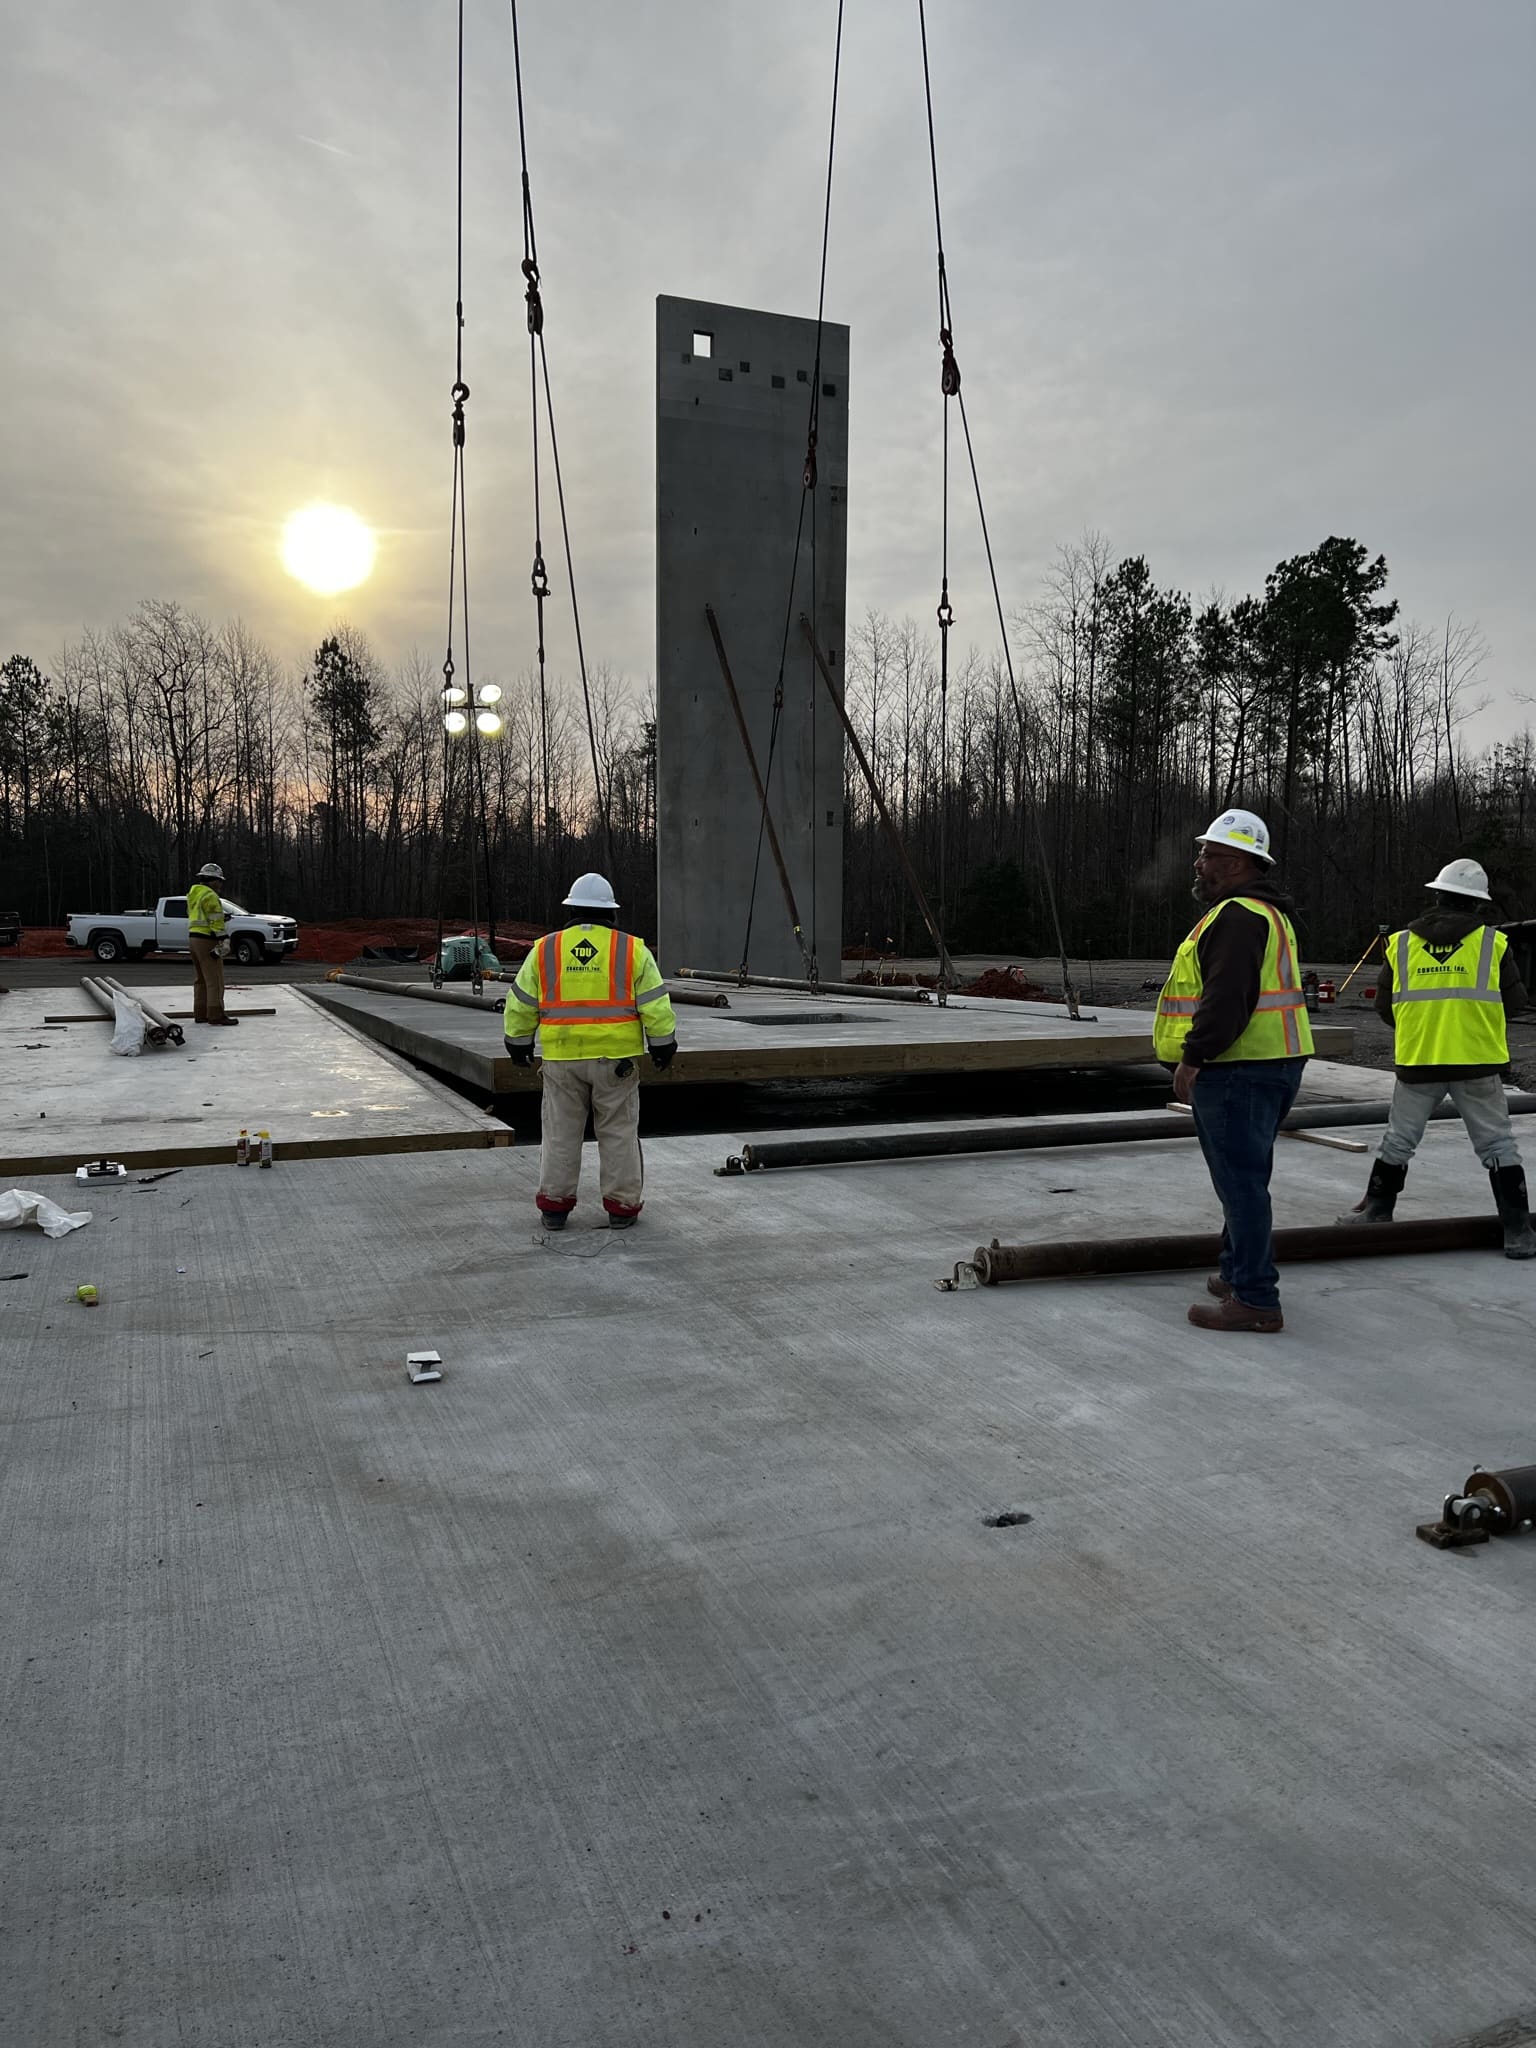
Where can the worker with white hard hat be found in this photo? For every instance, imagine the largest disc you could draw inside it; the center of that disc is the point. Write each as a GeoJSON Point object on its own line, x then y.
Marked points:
{"type": "Point", "coordinates": [1232, 1021]}
{"type": "Point", "coordinates": [208, 946]}
{"type": "Point", "coordinates": [596, 999]}
{"type": "Point", "coordinates": [1447, 988]}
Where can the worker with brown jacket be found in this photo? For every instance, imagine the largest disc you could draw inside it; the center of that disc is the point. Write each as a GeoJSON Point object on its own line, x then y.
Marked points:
{"type": "Point", "coordinates": [1447, 988]}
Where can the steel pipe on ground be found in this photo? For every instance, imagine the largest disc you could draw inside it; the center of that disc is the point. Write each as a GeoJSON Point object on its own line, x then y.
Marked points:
{"type": "Point", "coordinates": [101, 991]}
{"type": "Point", "coordinates": [850, 1149]}
{"type": "Point", "coordinates": [996, 1263]}
{"type": "Point", "coordinates": [171, 1031]}
{"type": "Point", "coordinates": [462, 999]}
{"type": "Point", "coordinates": [839, 989]}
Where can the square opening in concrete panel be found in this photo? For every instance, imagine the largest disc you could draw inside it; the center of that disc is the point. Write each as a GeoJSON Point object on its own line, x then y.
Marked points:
{"type": "Point", "coordinates": [799, 1017]}
{"type": "Point", "coordinates": [703, 344]}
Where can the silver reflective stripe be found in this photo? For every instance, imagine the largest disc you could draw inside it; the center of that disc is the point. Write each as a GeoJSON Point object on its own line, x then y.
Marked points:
{"type": "Point", "coordinates": [652, 995]}
{"type": "Point", "coordinates": [1483, 992]}
{"type": "Point", "coordinates": [1281, 999]}
{"type": "Point", "coordinates": [1179, 1006]}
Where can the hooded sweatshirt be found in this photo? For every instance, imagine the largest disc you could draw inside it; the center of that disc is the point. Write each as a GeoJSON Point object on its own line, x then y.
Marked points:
{"type": "Point", "coordinates": [1443, 930]}
{"type": "Point", "coordinates": [1231, 953]}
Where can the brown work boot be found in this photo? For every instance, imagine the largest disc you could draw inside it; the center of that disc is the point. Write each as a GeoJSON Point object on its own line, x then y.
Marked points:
{"type": "Point", "coordinates": [1222, 1289]}
{"type": "Point", "coordinates": [1232, 1314]}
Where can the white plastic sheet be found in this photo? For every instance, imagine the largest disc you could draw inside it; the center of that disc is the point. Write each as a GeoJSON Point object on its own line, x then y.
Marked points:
{"type": "Point", "coordinates": [19, 1206]}
{"type": "Point", "coordinates": [129, 1028]}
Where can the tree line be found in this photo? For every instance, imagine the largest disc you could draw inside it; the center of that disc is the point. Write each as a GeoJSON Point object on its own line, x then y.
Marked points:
{"type": "Point", "coordinates": [1061, 789]}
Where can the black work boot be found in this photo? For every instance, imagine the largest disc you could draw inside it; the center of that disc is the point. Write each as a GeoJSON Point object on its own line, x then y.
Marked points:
{"type": "Point", "coordinates": [1508, 1184]}
{"type": "Point", "coordinates": [553, 1219]}
{"type": "Point", "coordinates": [1381, 1193]}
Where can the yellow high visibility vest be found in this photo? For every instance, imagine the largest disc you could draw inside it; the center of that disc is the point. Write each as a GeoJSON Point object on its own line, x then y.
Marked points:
{"type": "Point", "coordinates": [1449, 1013]}
{"type": "Point", "coordinates": [584, 989]}
{"type": "Point", "coordinates": [205, 912]}
{"type": "Point", "coordinates": [1277, 1030]}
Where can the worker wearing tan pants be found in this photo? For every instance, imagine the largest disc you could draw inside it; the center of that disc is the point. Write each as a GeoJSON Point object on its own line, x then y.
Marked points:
{"type": "Point", "coordinates": [208, 945]}
{"type": "Point", "coordinates": [610, 1090]}
{"type": "Point", "coordinates": [595, 998]}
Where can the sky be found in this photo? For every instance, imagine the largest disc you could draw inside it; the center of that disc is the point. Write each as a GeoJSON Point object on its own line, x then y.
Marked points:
{"type": "Point", "coordinates": [1227, 278]}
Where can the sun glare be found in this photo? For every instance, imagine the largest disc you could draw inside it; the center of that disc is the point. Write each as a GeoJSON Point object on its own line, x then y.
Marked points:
{"type": "Point", "coordinates": [328, 548]}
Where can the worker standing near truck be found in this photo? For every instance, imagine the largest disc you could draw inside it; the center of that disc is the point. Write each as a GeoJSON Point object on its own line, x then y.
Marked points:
{"type": "Point", "coordinates": [596, 998]}
{"type": "Point", "coordinates": [1232, 1021]}
{"type": "Point", "coordinates": [205, 937]}
{"type": "Point", "coordinates": [1447, 988]}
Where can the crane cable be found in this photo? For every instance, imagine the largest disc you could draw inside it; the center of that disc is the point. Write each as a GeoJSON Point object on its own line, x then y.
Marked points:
{"type": "Point", "coordinates": [950, 381]}
{"type": "Point", "coordinates": [808, 479]}
{"type": "Point", "coordinates": [458, 584]}
{"type": "Point", "coordinates": [538, 372]}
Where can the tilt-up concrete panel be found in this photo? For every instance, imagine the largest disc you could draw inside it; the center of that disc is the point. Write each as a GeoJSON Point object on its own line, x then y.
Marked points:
{"type": "Point", "coordinates": [733, 408]}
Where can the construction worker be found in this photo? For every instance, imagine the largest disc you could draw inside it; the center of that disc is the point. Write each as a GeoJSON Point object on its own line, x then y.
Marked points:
{"type": "Point", "coordinates": [210, 948]}
{"type": "Point", "coordinates": [1232, 1020]}
{"type": "Point", "coordinates": [597, 1000]}
{"type": "Point", "coordinates": [1448, 985]}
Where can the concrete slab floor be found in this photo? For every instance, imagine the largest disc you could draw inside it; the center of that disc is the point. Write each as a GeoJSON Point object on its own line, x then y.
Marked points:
{"type": "Point", "coordinates": [654, 1679]}
{"type": "Point", "coordinates": [300, 1073]}
{"type": "Point", "coordinates": [769, 1036]}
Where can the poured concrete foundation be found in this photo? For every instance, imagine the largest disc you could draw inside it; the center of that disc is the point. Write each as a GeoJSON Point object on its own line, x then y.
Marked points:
{"type": "Point", "coordinates": [656, 1678]}
{"type": "Point", "coordinates": [305, 1076]}
{"type": "Point", "coordinates": [768, 1037]}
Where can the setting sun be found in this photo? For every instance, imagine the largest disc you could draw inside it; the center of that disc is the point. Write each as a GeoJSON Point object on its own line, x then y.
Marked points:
{"type": "Point", "coordinates": [328, 548]}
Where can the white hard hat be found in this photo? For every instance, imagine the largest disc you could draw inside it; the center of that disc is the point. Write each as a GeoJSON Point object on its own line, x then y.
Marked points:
{"type": "Point", "coordinates": [591, 892]}
{"type": "Point", "coordinates": [1463, 878]}
{"type": "Point", "coordinates": [1242, 830]}
{"type": "Point", "coordinates": [212, 870]}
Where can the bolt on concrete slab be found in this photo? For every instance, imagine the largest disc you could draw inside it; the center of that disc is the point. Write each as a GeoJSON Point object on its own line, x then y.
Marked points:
{"type": "Point", "coordinates": [655, 1677]}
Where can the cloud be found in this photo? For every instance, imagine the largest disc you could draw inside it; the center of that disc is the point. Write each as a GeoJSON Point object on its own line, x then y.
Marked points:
{"type": "Point", "coordinates": [1224, 282]}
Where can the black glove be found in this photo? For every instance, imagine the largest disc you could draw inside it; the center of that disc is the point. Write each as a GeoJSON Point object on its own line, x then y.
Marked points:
{"type": "Point", "coordinates": [663, 1053]}
{"type": "Point", "coordinates": [520, 1055]}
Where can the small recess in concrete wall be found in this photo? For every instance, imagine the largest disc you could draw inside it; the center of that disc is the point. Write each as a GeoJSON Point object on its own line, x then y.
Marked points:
{"type": "Point", "coordinates": [703, 344]}
{"type": "Point", "coordinates": [745, 368]}
{"type": "Point", "coordinates": [725, 374]}
{"type": "Point", "coordinates": [829, 391]}
{"type": "Point", "coordinates": [778, 383]}
{"type": "Point", "coordinates": [801, 377]}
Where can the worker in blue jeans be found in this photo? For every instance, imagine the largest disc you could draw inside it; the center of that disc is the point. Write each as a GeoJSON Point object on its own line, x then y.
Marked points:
{"type": "Point", "coordinates": [1232, 1022]}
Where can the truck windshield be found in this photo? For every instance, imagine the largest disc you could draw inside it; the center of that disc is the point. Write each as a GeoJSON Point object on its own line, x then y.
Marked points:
{"type": "Point", "coordinates": [235, 909]}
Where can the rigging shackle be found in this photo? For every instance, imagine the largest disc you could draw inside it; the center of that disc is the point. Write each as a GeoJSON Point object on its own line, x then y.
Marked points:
{"type": "Point", "coordinates": [946, 611]}
{"type": "Point", "coordinates": [448, 670]}
{"type": "Point", "coordinates": [535, 303]}
{"type": "Point", "coordinates": [949, 373]}
{"type": "Point", "coordinates": [459, 393]}
{"type": "Point", "coordinates": [808, 475]}
{"type": "Point", "coordinates": [540, 578]}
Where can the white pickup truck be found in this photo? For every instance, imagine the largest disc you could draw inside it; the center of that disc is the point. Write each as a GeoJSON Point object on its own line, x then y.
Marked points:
{"type": "Point", "coordinates": [138, 933]}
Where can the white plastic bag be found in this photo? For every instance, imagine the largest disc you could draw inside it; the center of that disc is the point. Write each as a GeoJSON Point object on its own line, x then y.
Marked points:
{"type": "Point", "coordinates": [20, 1205]}
{"type": "Point", "coordinates": [128, 1031]}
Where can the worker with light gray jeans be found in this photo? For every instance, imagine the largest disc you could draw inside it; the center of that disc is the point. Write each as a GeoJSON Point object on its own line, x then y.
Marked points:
{"type": "Point", "coordinates": [1479, 1103]}
{"type": "Point", "coordinates": [610, 1091]}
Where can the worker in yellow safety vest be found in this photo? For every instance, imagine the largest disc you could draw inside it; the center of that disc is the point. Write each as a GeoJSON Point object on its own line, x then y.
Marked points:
{"type": "Point", "coordinates": [596, 998]}
{"type": "Point", "coordinates": [209, 946]}
{"type": "Point", "coordinates": [1447, 986]}
{"type": "Point", "coordinates": [1232, 1022]}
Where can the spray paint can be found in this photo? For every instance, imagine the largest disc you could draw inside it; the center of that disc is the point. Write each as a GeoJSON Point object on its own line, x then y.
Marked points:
{"type": "Point", "coordinates": [243, 1149]}
{"type": "Point", "coordinates": [264, 1139]}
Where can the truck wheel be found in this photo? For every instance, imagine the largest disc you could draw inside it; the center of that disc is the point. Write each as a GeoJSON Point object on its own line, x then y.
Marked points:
{"type": "Point", "coordinates": [246, 951]}
{"type": "Point", "coordinates": [108, 946]}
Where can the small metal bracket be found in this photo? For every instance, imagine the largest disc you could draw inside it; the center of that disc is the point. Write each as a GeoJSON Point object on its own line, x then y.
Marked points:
{"type": "Point", "coordinates": [963, 1277]}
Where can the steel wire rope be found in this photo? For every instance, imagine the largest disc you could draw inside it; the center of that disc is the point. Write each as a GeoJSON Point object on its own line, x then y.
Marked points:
{"type": "Point", "coordinates": [538, 356]}
{"type": "Point", "coordinates": [950, 380]}
{"type": "Point", "coordinates": [808, 954]}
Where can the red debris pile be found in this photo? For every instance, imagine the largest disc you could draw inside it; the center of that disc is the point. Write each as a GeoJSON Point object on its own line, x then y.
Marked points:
{"type": "Point", "coordinates": [1011, 984]}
